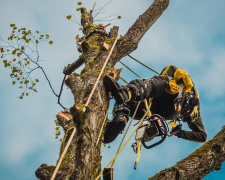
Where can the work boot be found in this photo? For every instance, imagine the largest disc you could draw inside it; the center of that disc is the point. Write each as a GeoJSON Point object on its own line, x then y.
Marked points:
{"type": "Point", "coordinates": [114, 128]}
{"type": "Point", "coordinates": [119, 93]}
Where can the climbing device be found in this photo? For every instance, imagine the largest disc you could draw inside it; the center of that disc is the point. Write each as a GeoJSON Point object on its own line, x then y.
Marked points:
{"type": "Point", "coordinates": [154, 125]}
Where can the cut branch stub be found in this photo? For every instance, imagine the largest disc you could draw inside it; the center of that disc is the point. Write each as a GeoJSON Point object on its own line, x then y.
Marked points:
{"type": "Point", "coordinates": [63, 119]}
{"type": "Point", "coordinates": [115, 73]}
{"type": "Point", "coordinates": [72, 67]}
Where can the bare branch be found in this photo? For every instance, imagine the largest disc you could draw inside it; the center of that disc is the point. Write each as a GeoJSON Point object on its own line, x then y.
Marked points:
{"type": "Point", "coordinates": [102, 9]}
{"type": "Point", "coordinates": [93, 8]}
{"type": "Point", "coordinates": [72, 67]}
{"type": "Point", "coordinates": [61, 89]}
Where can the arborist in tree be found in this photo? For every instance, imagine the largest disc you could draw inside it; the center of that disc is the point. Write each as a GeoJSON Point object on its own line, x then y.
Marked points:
{"type": "Point", "coordinates": [163, 90]}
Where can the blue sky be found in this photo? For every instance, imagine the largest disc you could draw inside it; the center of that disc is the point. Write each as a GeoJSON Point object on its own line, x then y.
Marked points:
{"type": "Point", "coordinates": [190, 35]}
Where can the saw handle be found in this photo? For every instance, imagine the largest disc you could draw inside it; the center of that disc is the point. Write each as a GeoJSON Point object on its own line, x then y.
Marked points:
{"type": "Point", "coordinates": [155, 144]}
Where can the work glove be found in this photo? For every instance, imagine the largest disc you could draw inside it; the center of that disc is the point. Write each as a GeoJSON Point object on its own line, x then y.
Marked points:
{"type": "Point", "coordinates": [176, 130]}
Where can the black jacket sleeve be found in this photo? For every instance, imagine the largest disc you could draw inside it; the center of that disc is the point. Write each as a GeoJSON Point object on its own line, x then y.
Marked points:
{"type": "Point", "coordinates": [198, 133]}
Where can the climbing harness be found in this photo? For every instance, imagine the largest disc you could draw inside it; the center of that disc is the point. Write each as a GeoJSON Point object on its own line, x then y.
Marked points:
{"type": "Point", "coordinates": [155, 125]}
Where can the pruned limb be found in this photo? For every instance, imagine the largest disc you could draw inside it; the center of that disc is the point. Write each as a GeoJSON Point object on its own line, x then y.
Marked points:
{"type": "Point", "coordinates": [130, 40]}
{"type": "Point", "coordinates": [204, 160]}
{"type": "Point", "coordinates": [63, 119]}
{"type": "Point", "coordinates": [113, 32]}
{"type": "Point", "coordinates": [72, 67]}
{"type": "Point", "coordinates": [115, 73]}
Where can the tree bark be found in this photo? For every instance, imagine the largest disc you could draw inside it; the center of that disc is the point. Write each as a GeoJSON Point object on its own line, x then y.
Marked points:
{"type": "Point", "coordinates": [83, 159]}
{"type": "Point", "coordinates": [204, 160]}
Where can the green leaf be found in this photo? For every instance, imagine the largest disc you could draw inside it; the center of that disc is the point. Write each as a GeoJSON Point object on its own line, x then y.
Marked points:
{"type": "Point", "coordinates": [37, 32]}
{"type": "Point", "coordinates": [79, 3]}
{"type": "Point", "coordinates": [14, 51]}
{"type": "Point", "coordinates": [12, 25]}
{"type": "Point", "coordinates": [26, 81]}
{"type": "Point", "coordinates": [78, 9]}
{"type": "Point", "coordinates": [50, 42]}
{"type": "Point", "coordinates": [36, 80]}
{"type": "Point", "coordinates": [27, 94]}
{"type": "Point", "coordinates": [22, 48]}
{"type": "Point", "coordinates": [2, 50]}
{"type": "Point", "coordinates": [119, 17]}
{"type": "Point", "coordinates": [19, 54]}
{"type": "Point", "coordinates": [57, 128]}
{"type": "Point", "coordinates": [68, 17]}
{"type": "Point", "coordinates": [14, 69]}
{"type": "Point", "coordinates": [10, 37]}
{"type": "Point", "coordinates": [4, 61]}
{"type": "Point", "coordinates": [21, 97]}
{"type": "Point", "coordinates": [14, 82]}
{"type": "Point", "coordinates": [36, 41]}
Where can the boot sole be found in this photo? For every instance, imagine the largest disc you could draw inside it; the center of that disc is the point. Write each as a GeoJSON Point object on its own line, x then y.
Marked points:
{"type": "Point", "coordinates": [111, 135]}
{"type": "Point", "coordinates": [112, 86]}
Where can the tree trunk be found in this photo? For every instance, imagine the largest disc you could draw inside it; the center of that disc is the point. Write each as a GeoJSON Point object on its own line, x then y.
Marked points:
{"type": "Point", "coordinates": [83, 159]}
{"type": "Point", "coordinates": [204, 160]}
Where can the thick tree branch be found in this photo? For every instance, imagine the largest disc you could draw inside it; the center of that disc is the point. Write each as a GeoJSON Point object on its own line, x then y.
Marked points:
{"type": "Point", "coordinates": [204, 160]}
{"type": "Point", "coordinates": [72, 67]}
{"type": "Point", "coordinates": [130, 40]}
